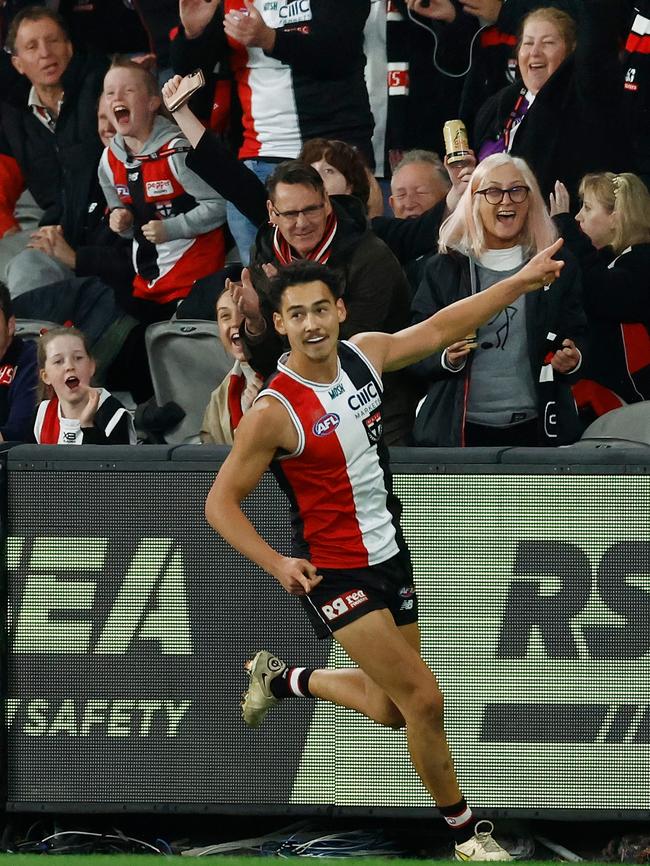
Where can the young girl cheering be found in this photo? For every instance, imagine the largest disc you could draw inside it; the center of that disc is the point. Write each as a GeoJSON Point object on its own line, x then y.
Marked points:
{"type": "Point", "coordinates": [74, 413]}
{"type": "Point", "coordinates": [611, 238]}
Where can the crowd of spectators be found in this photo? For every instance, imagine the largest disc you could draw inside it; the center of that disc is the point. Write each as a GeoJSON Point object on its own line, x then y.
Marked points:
{"type": "Point", "coordinates": [318, 135]}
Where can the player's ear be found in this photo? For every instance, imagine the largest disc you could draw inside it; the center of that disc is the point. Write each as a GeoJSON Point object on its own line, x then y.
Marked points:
{"type": "Point", "coordinates": [279, 324]}
{"type": "Point", "coordinates": [341, 311]}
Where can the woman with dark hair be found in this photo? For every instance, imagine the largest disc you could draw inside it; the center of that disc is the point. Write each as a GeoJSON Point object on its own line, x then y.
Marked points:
{"type": "Point", "coordinates": [507, 383]}
{"type": "Point", "coordinates": [341, 166]}
{"type": "Point", "coordinates": [564, 114]}
{"type": "Point", "coordinates": [610, 236]}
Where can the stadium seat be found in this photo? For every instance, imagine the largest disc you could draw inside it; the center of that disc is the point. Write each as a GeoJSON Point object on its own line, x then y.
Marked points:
{"type": "Point", "coordinates": [31, 329]}
{"type": "Point", "coordinates": [187, 363]}
{"type": "Point", "coordinates": [629, 422]}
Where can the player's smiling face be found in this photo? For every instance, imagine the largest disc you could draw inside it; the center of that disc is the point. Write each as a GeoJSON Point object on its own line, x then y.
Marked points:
{"type": "Point", "coordinates": [310, 318]}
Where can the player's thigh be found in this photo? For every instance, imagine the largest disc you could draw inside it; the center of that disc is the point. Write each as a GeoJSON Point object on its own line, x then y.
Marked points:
{"type": "Point", "coordinates": [387, 654]}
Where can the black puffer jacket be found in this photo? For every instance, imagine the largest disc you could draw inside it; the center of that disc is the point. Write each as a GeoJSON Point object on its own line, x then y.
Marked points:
{"type": "Point", "coordinates": [576, 123]}
{"type": "Point", "coordinates": [60, 168]}
{"type": "Point", "coordinates": [556, 310]}
{"type": "Point", "coordinates": [617, 304]}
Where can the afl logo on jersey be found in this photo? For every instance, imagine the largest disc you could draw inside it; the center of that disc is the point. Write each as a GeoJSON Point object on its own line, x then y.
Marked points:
{"type": "Point", "coordinates": [326, 424]}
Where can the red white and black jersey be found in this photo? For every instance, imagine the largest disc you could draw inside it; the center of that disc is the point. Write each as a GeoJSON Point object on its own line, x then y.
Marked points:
{"type": "Point", "coordinates": [637, 51]}
{"type": "Point", "coordinates": [310, 85]}
{"type": "Point", "coordinates": [164, 271]}
{"type": "Point", "coordinates": [344, 514]}
{"type": "Point", "coordinates": [112, 425]}
{"type": "Point", "coordinates": [156, 184]}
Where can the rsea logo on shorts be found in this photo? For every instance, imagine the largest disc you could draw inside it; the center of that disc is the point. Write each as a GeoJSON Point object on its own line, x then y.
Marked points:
{"type": "Point", "coordinates": [326, 424]}
{"type": "Point", "coordinates": [344, 603]}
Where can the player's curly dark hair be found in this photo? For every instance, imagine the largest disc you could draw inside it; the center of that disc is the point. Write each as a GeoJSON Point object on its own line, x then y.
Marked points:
{"type": "Point", "coordinates": [302, 272]}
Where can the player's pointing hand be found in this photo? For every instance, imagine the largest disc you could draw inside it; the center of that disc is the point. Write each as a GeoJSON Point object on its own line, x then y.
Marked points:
{"type": "Point", "coordinates": [297, 576]}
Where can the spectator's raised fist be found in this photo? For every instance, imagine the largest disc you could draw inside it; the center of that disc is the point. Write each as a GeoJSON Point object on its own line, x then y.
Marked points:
{"type": "Point", "coordinates": [487, 10]}
{"type": "Point", "coordinates": [155, 231]}
{"type": "Point", "coordinates": [120, 220]}
{"type": "Point", "coordinates": [460, 174]}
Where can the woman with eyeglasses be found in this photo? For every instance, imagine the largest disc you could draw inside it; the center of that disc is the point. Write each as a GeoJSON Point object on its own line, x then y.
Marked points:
{"type": "Point", "coordinates": [508, 383]}
{"type": "Point", "coordinates": [564, 113]}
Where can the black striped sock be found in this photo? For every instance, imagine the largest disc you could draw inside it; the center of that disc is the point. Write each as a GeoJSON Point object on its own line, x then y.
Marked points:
{"type": "Point", "coordinates": [460, 820]}
{"type": "Point", "coordinates": [294, 682]}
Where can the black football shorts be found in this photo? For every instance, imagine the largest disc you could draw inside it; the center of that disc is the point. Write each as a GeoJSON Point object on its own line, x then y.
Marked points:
{"type": "Point", "coordinates": [345, 595]}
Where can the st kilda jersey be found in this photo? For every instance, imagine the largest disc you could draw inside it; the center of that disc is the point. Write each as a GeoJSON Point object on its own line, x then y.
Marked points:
{"type": "Point", "coordinates": [310, 85]}
{"type": "Point", "coordinates": [344, 513]}
{"type": "Point", "coordinates": [156, 184]}
{"type": "Point", "coordinates": [112, 425]}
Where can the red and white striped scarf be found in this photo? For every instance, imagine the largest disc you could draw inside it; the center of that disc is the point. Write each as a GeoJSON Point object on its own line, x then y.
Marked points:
{"type": "Point", "coordinates": [239, 377]}
{"type": "Point", "coordinates": [285, 253]}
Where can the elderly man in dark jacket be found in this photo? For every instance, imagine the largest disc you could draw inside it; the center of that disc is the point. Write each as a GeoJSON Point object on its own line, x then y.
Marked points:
{"type": "Point", "coordinates": [52, 135]}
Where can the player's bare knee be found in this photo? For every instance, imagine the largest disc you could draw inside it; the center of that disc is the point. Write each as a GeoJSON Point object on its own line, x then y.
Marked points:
{"type": "Point", "coordinates": [427, 705]}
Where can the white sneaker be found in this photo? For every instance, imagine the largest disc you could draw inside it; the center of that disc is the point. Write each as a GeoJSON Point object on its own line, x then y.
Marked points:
{"type": "Point", "coordinates": [482, 846]}
{"type": "Point", "coordinates": [259, 698]}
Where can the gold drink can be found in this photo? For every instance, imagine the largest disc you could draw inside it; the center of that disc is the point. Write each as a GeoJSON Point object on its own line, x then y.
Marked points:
{"type": "Point", "coordinates": [456, 143]}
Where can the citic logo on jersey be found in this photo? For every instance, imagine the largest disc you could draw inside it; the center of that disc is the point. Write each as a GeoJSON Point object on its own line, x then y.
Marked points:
{"type": "Point", "coordinates": [326, 424]}
{"type": "Point", "coordinates": [367, 395]}
{"type": "Point", "coordinates": [296, 10]}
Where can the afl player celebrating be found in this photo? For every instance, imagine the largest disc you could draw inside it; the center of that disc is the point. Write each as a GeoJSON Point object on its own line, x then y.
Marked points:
{"type": "Point", "coordinates": [317, 425]}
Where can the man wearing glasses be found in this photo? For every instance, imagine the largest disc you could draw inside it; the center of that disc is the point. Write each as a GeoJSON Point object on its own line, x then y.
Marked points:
{"type": "Point", "coordinates": [305, 223]}
{"type": "Point", "coordinates": [298, 221]}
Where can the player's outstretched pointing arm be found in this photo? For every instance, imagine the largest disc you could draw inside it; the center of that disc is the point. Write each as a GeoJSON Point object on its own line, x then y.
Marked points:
{"type": "Point", "coordinates": [452, 323]}
{"type": "Point", "coordinates": [263, 431]}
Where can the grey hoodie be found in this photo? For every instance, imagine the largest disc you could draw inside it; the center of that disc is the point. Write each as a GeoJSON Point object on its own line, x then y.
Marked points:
{"type": "Point", "coordinates": [210, 210]}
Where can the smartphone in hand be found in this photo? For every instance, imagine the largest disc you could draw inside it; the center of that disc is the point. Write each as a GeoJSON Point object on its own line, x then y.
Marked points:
{"type": "Point", "coordinates": [188, 86]}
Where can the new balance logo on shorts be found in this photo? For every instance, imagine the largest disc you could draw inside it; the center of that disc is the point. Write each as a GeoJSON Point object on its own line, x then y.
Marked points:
{"type": "Point", "coordinates": [344, 603]}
